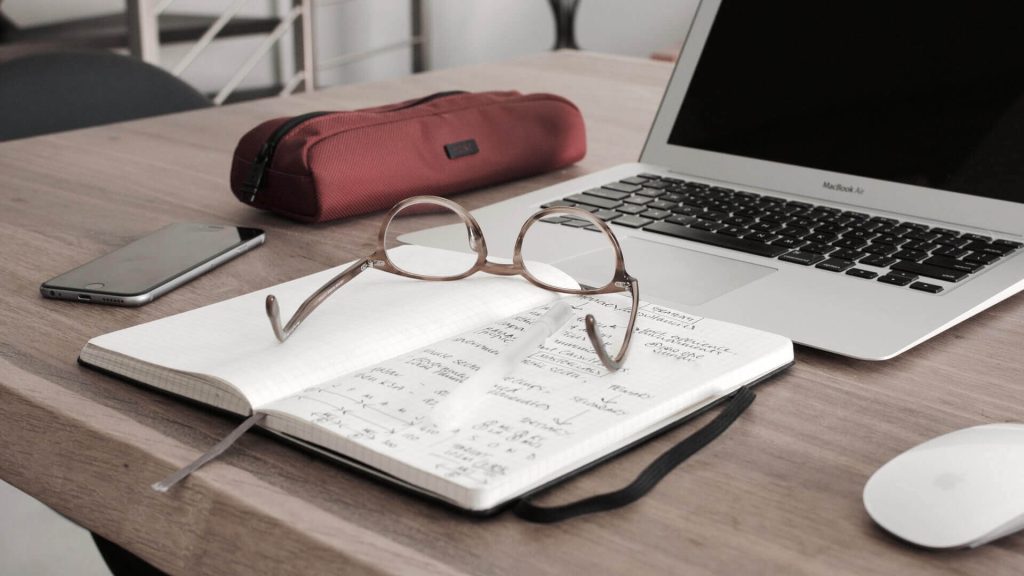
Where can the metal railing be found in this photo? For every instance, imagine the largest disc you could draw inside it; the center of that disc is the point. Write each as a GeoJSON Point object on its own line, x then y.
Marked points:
{"type": "Point", "coordinates": [144, 34]}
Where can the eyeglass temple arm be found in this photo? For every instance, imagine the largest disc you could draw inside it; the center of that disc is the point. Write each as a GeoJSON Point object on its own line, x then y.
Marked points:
{"type": "Point", "coordinates": [310, 304]}
{"type": "Point", "coordinates": [613, 364]}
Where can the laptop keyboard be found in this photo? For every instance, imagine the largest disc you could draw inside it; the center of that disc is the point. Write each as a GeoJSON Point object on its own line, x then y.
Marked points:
{"type": "Point", "coordinates": [856, 244]}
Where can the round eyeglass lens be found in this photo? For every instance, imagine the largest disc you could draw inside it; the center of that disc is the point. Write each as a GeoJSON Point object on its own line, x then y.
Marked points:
{"type": "Point", "coordinates": [569, 251]}
{"type": "Point", "coordinates": [453, 232]}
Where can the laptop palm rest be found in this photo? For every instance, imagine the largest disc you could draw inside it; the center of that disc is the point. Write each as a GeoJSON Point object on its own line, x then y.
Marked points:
{"type": "Point", "coordinates": [674, 275]}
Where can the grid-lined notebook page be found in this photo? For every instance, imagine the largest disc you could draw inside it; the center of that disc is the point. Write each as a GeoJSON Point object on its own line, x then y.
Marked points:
{"type": "Point", "coordinates": [372, 318]}
{"type": "Point", "coordinates": [556, 411]}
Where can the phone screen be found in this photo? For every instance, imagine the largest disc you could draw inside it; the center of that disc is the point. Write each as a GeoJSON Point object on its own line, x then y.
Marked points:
{"type": "Point", "coordinates": [154, 260]}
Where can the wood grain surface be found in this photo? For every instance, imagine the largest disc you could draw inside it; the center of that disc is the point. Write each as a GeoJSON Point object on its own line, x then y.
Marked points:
{"type": "Point", "coordinates": [780, 492]}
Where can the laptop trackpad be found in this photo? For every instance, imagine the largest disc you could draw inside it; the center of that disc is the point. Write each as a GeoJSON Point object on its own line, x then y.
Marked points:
{"type": "Point", "coordinates": [670, 274]}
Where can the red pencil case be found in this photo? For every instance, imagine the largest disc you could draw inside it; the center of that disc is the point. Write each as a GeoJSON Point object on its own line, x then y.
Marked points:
{"type": "Point", "coordinates": [323, 166]}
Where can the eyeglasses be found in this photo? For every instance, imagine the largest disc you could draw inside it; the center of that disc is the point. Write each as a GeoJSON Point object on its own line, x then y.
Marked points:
{"type": "Point", "coordinates": [386, 259]}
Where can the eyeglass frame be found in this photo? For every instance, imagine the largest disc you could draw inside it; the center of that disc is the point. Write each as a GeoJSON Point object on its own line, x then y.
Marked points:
{"type": "Point", "coordinates": [621, 281]}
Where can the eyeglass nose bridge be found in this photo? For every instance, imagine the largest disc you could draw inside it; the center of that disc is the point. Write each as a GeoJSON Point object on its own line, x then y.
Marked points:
{"type": "Point", "coordinates": [502, 268]}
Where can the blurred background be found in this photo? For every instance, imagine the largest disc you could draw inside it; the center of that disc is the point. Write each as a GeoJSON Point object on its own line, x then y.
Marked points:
{"type": "Point", "coordinates": [351, 40]}
{"type": "Point", "coordinates": [232, 50]}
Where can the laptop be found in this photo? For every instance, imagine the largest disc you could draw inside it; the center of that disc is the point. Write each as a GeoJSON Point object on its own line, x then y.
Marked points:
{"type": "Point", "coordinates": [847, 174]}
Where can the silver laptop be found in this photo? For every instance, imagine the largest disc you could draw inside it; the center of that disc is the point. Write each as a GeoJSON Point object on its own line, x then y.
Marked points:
{"type": "Point", "coordinates": [848, 174]}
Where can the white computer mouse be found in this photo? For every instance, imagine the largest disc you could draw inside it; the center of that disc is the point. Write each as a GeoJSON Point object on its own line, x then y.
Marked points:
{"type": "Point", "coordinates": [962, 489]}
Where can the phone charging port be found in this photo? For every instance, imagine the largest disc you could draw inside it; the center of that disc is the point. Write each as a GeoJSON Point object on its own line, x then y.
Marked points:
{"type": "Point", "coordinates": [84, 297]}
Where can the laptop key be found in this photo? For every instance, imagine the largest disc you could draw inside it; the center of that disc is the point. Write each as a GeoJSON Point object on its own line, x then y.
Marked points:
{"type": "Point", "coordinates": [631, 209]}
{"type": "Point", "coordinates": [817, 248]}
{"type": "Point", "coordinates": [739, 220]}
{"type": "Point", "coordinates": [656, 214]}
{"type": "Point", "coordinates": [878, 260]}
{"type": "Point", "coordinates": [790, 231]}
{"type": "Point", "coordinates": [950, 252]}
{"type": "Point", "coordinates": [835, 265]}
{"type": "Point", "coordinates": [688, 210]}
{"type": "Point", "coordinates": [847, 254]}
{"type": "Point", "coordinates": [648, 176]}
{"type": "Point", "coordinates": [861, 273]}
{"type": "Point", "coordinates": [859, 233]}
{"type": "Point", "coordinates": [763, 237]}
{"type": "Point", "coordinates": [912, 255]}
{"type": "Point", "coordinates": [731, 230]}
{"type": "Point", "coordinates": [661, 205]}
{"type": "Point", "coordinates": [880, 249]}
{"type": "Point", "coordinates": [999, 248]}
{"type": "Point", "coordinates": [953, 264]}
{"type": "Point", "coordinates": [606, 193]}
{"type": "Point", "coordinates": [713, 239]}
{"type": "Point", "coordinates": [926, 287]}
{"type": "Point", "coordinates": [804, 258]}
{"type": "Point", "coordinates": [554, 219]}
{"type": "Point", "coordinates": [651, 192]}
{"type": "Point", "coordinates": [852, 243]}
{"type": "Point", "coordinates": [638, 200]}
{"type": "Point", "coordinates": [709, 225]}
{"type": "Point", "coordinates": [953, 241]}
{"type": "Point", "coordinates": [919, 245]}
{"type": "Point", "coordinates": [559, 203]}
{"type": "Point", "coordinates": [576, 223]}
{"type": "Point", "coordinates": [681, 219]}
{"type": "Point", "coordinates": [946, 240]}
{"type": "Point", "coordinates": [657, 184]}
{"type": "Point", "coordinates": [977, 237]}
{"type": "Point", "coordinates": [1010, 243]}
{"type": "Point", "coordinates": [765, 227]}
{"type": "Point", "coordinates": [821, 237]}
{"type": "Point", "coordinates": [930, 271]}
{"type": "Point", "coordinates": [632, 221]}
{"type": "Point", "coordinates": [865, 225]}
{"type": "Point", "coordinates": [895, 280]}
{"type": "Point", "coordinates": [607, 215]}
{"type": "Point", "coordinates": [981, 257]}
{"type": "Point", "coordinates": [634, 180]}
{"type": "Point", "coordinates": [594, 201]}
{"type": "Point", "coordinates": [622, 187]}
{"type": "Point", "coordinates": [786, 242]}
{"type": "Point", "coordinates": [922, 236]}
{"type": "Point", "coordinates": [888, 239]}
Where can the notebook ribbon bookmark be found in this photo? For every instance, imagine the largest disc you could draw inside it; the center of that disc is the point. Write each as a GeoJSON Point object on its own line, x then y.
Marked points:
{"type": "Point", "coordinates": [166, 484]}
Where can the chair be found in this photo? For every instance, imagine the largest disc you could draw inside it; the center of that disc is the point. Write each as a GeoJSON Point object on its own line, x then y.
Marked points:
{"type": "Point", "coordinates": [53, 92]}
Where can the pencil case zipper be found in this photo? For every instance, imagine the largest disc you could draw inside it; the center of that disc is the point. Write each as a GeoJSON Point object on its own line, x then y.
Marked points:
{"type": "Point", "coordinates": [265, 156]}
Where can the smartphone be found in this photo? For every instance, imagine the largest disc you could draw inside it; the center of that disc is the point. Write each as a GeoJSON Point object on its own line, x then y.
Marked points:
{"type": "Point", "coordinates": [154, 265]}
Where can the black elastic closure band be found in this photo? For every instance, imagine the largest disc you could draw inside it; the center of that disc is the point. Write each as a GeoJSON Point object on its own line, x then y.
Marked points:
{"type": "Point", "coordinates": [651, 475]}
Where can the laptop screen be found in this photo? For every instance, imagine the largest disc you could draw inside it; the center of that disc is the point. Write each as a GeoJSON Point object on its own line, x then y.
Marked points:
{"type": "Point", "coordinates": [919, 92]}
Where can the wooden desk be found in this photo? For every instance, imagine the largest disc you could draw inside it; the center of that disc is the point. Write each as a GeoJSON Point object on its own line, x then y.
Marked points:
{"type": "Point", "coordinates": [779, 492]}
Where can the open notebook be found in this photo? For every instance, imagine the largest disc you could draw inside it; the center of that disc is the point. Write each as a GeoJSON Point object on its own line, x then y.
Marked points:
{"type": "Point", "coordinates": [361, 376]}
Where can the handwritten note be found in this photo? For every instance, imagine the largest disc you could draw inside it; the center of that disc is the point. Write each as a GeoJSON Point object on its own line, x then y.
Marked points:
{"type": "Point", "coordinates": [558, 409]}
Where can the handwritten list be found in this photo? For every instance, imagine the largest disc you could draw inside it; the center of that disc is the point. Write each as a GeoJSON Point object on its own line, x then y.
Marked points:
{"type": "Point", "coordinates": [558, 409]}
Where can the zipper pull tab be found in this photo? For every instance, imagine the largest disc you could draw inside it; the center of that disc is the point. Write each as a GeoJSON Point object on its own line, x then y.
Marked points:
{"type": "Point", "coordinates": [256, 174]}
